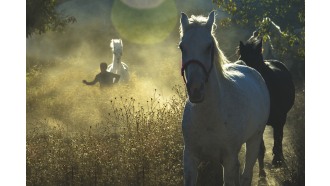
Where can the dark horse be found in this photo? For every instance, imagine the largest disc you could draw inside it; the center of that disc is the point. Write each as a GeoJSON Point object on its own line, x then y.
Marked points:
{"type": "Point", "coordinates": [281, 90]}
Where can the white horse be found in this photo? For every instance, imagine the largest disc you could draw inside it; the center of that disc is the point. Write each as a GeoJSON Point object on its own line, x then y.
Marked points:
{"type": "Point", "coordinates": [228, 105]}
{"type": "Point", "coordinates": [117, 66]}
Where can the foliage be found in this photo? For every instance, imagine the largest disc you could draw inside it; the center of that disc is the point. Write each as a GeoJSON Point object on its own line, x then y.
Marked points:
{"type": "Point", "coordinates": [41, 16]}
{"type": "Point", "coordinates": [289, 15]}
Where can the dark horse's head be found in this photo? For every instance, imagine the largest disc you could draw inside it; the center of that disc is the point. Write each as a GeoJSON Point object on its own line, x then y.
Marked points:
{"type": "Point", "coordinates": [251, 52]}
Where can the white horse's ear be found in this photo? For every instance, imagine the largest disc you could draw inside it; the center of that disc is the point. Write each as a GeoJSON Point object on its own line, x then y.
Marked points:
{"type": "Point", "coordinates": [111, 43]}
{"type": "Point", "coordinates": [210, 20]}
{"type": "Point", "coordinates": [184, 20]}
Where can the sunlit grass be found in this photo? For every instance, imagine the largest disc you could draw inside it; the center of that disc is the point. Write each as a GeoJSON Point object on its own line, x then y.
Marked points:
{"type": "Point", "coordinates": [134, 144]}
{"type": "Point", "coordinates": [127, 135]}
{"type": "Point", "coordinates": [79, 134]}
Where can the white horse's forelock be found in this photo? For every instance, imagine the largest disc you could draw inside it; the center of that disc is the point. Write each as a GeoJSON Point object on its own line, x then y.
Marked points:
{"type": "Point", "coordinates": [116, 43]}
{"type": "Point", "coordinates": [193, 22]}
{"type": "Point", "coordinates": [197, 21]}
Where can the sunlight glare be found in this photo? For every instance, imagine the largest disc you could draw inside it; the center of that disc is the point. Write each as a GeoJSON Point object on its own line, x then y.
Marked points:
{"type": "Point", "coordinates": [148, 26]}
{"type": "Point", "coordinates": [143, 4]}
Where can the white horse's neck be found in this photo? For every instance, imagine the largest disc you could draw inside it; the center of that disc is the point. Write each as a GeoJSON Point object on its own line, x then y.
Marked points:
{"type": "Point", "coordinates": [206, 113]}
{"type": "Point", "coordinates": [212, 89]}
{"type": "Point", "coordinates": [116, 62]}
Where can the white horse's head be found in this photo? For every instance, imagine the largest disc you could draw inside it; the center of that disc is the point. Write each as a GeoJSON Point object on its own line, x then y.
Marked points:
{"type": "Point", "coordinates": [116, 46]}
{"type": "Point", "coordinates": [197, 47]}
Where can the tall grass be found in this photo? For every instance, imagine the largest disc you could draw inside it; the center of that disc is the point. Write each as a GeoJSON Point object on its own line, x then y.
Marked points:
{"type": "Point", "coordinates": [80, 135]}
{"type": "Point", "coordinates": [134, 145]}
{"type": "Point", "coordinates": [127, 135]}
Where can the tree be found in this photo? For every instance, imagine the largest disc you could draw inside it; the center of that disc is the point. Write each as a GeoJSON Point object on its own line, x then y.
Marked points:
{"type": "Point", "coordinates": [289, 15]}
{"type": "Point", "coordinates": [41, 16]}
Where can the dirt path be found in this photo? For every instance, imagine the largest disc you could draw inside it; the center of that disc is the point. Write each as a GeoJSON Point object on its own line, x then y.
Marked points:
{"type": "Point", "coordinates": [281, 176]}
{"type": "Point", "coordinates": [275, 176]}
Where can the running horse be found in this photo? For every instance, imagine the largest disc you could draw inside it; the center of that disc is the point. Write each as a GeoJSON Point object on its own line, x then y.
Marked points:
{"type": "Point", "coordinates": [281, 90]}
{"type": "Point", "coordinates": [227, 106]}
{"type": "Point", "coordinates": [117, 66]}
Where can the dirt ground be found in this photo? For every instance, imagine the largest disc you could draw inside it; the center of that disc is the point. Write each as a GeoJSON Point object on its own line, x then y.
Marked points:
{"type": "Point", "coordinates": [292, 172]}
{"type": "Point", "coordinates": [281, 176]}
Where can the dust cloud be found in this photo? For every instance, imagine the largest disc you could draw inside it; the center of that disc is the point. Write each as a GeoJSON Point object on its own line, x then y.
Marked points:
{"type": "Point", "coordinates": [57, 62]}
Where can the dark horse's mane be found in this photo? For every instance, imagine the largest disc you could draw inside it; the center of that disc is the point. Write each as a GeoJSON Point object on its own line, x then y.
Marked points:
{"type": "Point", "coordinates": [250, 43]}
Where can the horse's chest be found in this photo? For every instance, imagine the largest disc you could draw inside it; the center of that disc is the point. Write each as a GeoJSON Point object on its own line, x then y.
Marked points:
{"type": "Point", "coordinates": [206, 143]}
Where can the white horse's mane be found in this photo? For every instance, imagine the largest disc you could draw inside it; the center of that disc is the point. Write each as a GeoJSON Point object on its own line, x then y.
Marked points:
{"type": "Point", "coordinates": [197, 21]}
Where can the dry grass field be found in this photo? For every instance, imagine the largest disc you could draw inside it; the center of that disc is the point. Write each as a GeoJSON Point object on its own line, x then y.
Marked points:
{"type": "Point", "coordinates": [127, 135]}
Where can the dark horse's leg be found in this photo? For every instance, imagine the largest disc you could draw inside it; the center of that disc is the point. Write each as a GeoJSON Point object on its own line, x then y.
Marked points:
{"type": "Point", "coordinates": [261, 157]}
{"type": "Point", "coordinates": [278, 138]}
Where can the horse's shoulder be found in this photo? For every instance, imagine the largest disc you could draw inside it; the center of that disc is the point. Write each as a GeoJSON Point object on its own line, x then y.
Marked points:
{"type": "Point", "coordinates": [276, 65]}
{"type": "Point", "coordinates": [274, 62]}
{"type": "Point", "coordinates": [241, 74]}
{"type": "Point", "coordinates": [278, 75]}
{"type": "Point", "coordinates": [240, 62]}
{"type": "Point", "coordinates": [239, 66]}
